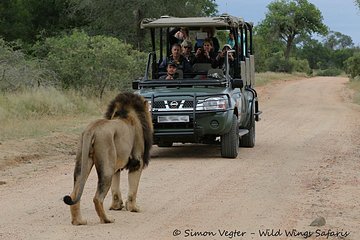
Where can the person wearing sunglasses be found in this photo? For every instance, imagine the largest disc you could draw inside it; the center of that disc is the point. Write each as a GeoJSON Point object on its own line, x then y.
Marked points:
{"type": "Point", "coordinates": [186, 46]}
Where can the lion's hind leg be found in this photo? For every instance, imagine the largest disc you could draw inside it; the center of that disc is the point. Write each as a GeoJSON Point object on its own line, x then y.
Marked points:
{"type": "Point", "coordinates": [117, 203]}
{"type": "Point", "coordinates": [79, 182]}
{"type": "Point", "coordinates": [134, 179]}
{"type": "Point", "coordinates": [105, 174]}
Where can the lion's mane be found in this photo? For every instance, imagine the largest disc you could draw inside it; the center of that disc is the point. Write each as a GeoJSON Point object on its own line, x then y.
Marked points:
{"type": "Point", "coordinates": [120, 107]}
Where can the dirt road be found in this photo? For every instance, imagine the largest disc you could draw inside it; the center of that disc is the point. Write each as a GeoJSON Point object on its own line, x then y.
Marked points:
{"type": "Point", "coordinates": [305, 164]}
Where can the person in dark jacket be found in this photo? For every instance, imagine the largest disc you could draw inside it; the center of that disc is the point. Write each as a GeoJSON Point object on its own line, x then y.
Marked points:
{"type": "Point", "coordinates": [177, 58]}
{"type": "Point", "coordinates": [206, 53]}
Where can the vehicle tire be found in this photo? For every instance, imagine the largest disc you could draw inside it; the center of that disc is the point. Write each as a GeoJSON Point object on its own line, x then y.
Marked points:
{"type": "Point", "coordinates": [230, 141]}
{"type": "Point", "coordinates": [248, 140]}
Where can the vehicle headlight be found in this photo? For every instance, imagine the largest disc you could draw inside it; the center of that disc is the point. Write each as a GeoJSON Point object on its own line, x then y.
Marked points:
{"type": "Point", "coordinates": [213, 103]}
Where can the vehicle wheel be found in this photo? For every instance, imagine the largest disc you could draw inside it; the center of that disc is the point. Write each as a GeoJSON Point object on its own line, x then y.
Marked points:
{"type": "Point", "coordinates": [165, 144]}
{"type": "Point", "coordinates": [230, 141]}
{"type": "Point", "coordinates": [248, 140]}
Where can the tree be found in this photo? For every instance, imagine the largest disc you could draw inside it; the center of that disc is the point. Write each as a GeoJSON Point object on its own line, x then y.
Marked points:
{"type": "Point", "coordinates": [316, 61]}
{"type": "Point", "coordinates": [337, 40]}
{"type": "Point", "coordinates": [121, 18]}
{"type": "Point", "coordinates": [28, 19]}
{"type": "Point", "coordinates": [288, 19]}
{"type": "Point", "coordinates": [353, 65]}
{"type": "Point", "coordinates": [357, 2]}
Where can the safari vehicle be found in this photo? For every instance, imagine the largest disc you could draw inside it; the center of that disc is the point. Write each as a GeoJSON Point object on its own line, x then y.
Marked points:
{"type": "Point", "coordinates": [210, 106]}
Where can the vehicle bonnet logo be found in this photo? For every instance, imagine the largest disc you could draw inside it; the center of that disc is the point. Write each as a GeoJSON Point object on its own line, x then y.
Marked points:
{"type": "Point", "coordinates": [174, 104]}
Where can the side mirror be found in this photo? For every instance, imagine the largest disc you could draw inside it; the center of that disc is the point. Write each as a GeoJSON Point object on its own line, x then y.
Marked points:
{"type": "Point", "coordinates": [237, 83]}
{"type": "Point", "coordinates": [135, 84]}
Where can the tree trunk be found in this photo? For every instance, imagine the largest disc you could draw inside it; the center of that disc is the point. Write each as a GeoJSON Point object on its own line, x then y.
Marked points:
{"type": "Point", "coordinates": [288, 47]}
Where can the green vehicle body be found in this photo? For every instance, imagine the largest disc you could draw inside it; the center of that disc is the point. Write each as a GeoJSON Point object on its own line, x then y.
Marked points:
{"type": "Point", "coordinates": [218, 108]}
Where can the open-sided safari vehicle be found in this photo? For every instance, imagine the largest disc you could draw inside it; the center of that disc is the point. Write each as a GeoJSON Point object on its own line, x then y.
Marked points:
{"type": "Point", "coordinates": [205, 105]}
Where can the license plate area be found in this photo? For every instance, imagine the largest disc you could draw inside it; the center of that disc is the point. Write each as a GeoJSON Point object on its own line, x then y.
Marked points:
{"type": "Point", "coordinates": [173, 119]}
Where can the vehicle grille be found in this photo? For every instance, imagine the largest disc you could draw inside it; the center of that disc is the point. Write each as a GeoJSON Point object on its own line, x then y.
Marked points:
{"type": "Point", "coordinates": [173, 105]}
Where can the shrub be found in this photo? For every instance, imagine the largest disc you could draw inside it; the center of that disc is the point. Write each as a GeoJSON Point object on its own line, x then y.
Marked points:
{"type": "Point", "coordinates": [301, 65]}
{"type": "Point", "coordinates": [329, 72]}
{"type": "Point", "coordinates": [278, 63]}
{"type": "Point", "coordinates": [353, 65]}
{"type": "Point", "coordinates": [92, 63]}
{"type": "Point", "coordinates": [18, 72]}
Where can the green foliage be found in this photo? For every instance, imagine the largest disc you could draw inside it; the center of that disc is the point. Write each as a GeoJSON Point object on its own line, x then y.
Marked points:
{"type": "Point", "coordinates": [122, 18]}
{"type": "Point", "coordinates": [288, 19]}
{"type": "Point", "coordinates": [300, 65]}
{"type": "Point", "coordinates": [92, 64]}
{"type": "Point", "coordinates": [28, 19]}
{"type": "Point", "coordinates": [357, 2]}
{"type": "Point", "coordinates": [353, 65]}
{"type": "Point", "coordinates": [329, 72]}
{"type": "Point", "coordinates": [337, 40]}
{"type": "Point", "coordinates": [17, 71]}
{"type": "Point", "coordinates": [278, 63]}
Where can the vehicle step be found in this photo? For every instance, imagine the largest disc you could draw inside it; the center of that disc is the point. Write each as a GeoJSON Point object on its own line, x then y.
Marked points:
{"type": "Point", "coordinates": [243, 132]}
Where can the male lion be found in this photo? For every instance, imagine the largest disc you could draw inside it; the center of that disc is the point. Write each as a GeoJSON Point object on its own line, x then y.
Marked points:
{"type": "Point", "coordinates": [122, 140]}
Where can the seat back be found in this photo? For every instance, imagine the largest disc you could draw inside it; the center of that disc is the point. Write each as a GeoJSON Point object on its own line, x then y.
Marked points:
{"type": "Point", "coordinates": [179, 73]}
{"type": "Point", "coordinates": [201, 67]}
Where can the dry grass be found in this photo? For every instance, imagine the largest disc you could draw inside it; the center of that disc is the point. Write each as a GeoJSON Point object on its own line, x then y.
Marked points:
{"type": "Point", "coordinates": [34, 113]}
{"type": "Point", "coordinates": [268, 77]}
{"type": "Point", "coordinates": [355, 85]}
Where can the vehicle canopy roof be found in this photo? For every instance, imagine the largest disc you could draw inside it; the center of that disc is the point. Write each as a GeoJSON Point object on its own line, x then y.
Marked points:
{"type": "Point", "coordinates": [223, 21]}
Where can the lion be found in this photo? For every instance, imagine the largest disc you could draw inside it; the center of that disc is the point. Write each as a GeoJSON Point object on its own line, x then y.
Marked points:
{"type": "Point", "coordinates": [120, 141]}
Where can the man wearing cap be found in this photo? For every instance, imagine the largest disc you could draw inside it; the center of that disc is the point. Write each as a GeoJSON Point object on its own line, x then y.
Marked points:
{"type": "Point", "coordinates": [170, 71]}
{"type": "Point", "coordinates": [187, 51]}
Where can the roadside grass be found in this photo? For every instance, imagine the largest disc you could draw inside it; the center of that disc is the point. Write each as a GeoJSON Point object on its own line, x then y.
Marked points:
{"type": "Point", "coordinates": [39, 112]}
{"type": "Point", "coordinates": [355, 85]}
{"type": "Point", "coordinates": [268, 77]}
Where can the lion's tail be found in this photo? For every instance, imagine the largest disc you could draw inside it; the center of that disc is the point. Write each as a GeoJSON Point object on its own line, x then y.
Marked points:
{"type": "Point", "coordinates": [84, 164]}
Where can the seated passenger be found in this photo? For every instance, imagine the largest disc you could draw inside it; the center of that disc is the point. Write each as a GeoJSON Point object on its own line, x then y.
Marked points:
{"type": "Point", "coordinates": [206, 54]}
{"type": "Point", "coordinates": [210, 32]}
{"type": "Point", "coordinates": [186, 51]}
{"type": "Point", "coordinates": [170, 72]}
{"type": "Point", "coordinates": [177, 58]}
{"type": "Point", "coordinates": [231, 39]}
{"type": "Point", "coordinates": [220, 58]}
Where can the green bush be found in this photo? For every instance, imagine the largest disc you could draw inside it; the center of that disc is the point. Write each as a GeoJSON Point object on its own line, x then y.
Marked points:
{"type": "Point", "coordinates": [92, 64]}
{"type": "Point", "coordinates": [329, 72]}
{"type": "Point", "coordinates": [19, 72]}
{"type": "Point", "coordinates": [300, 65]}
{"type": "Point", "coordinates": [278, 63]}
{"type": "Point", "coordinates": [353, 65]}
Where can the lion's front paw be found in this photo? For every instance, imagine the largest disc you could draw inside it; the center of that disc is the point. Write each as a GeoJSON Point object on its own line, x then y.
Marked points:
{"type": "Point", "coordinates": [107, 220]}
{"type": "Point", "coordinates": [130, 206]}
{"type": "Point", "coordinates": [78, 222]}
{"type": "Point", "coordinates": [117, 206]}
